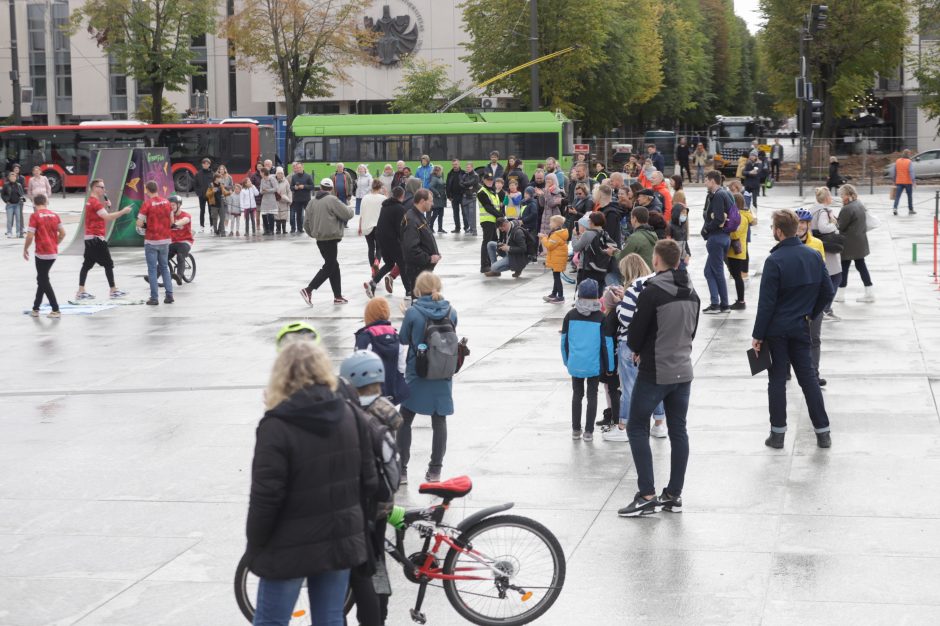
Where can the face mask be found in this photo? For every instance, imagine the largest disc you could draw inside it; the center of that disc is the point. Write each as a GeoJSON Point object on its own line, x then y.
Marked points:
{"type": "Point", "coordinates": [683, 219]}
{"type": "Point", "coordinates": [367, 400]}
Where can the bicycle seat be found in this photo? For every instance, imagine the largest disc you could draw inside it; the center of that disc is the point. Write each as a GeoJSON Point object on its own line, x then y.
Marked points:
{"type": "Point", "coordinates": [453, 488]}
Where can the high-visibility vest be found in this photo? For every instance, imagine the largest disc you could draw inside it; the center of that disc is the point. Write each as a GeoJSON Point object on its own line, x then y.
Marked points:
{"type": "Point", "coordinates": [485, 216]}
{"type": "Point", "coordinates": [902, 172]}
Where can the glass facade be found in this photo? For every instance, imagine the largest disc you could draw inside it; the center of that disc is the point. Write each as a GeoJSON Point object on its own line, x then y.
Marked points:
{"type": "Point", "coordinates": [62, 57]}
{"type": "Point", "coordinates": [36, 26]}
{"type": "Point", "coordinates": [199, 82]}
{"type": "Point", "coordinates": [117, 89]}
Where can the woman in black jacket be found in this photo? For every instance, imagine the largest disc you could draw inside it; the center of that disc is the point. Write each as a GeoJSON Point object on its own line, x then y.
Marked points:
{"type": "Point", "coordinates": [312, 471]}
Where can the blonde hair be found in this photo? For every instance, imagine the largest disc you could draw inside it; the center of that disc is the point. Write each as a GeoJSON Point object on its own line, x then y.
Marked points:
{"type": "Point", "coordinates": [632, 267]}
{"type": "Point", "coordinates": [300, 363]}
{"type": "Point", "coordinates": [822, 193]}
{"type": "Point", "coordinates": [678, 197]}
{"type": "Point", "coordinates": [556, 220]}
{"type": "Point", "coordinates": [428, 284]}
{"type": "Point", "coordinates": [848, 191]}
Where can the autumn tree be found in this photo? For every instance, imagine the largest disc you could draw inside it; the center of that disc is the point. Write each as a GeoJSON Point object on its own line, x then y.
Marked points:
{"type": "Point", "coordinates": [306, 45]}
{"type": "Point", "coordinates": [424, 87]}
{"type": "Point", "coordinates": [863, 38]}
{"type": "Point", "coordinates": [149, 39]}
{"type": "Point", "coordinates": [168, 114]}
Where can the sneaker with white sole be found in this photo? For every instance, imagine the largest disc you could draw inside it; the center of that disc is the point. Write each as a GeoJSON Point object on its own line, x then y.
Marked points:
{"type": "Point", "coordinates": [588, 436]}
{"type": "Point", "coordinates": [639, 507]}
{"type": "Point", "coordinates": [576, 434]}
{"type": "Point", "coordinates": [305, 294]}
{"type": "Point", "coordinates": [84, 295]}
{"type": "Point", "coordinates": [659, 430]}
{"type": "Point", "coordinates": [117, 293]}
{"type": "Point", "coordinates": [616, 434]}
{"type": "Point", "coordinates": [840, 296]}
{"type": "Point", "coordinates": [670, 503]}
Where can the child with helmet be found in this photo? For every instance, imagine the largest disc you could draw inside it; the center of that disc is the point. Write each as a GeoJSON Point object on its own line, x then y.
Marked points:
{"type": "Point", "coordinates": [181, 236]}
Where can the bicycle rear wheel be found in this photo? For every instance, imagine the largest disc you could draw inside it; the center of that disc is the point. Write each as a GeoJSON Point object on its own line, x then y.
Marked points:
{"type": "Point", "coordinates": [246, 594]}
{"type": "Point", "coordinates": [532, 566]}
{"type": "Point", "coordinates": [189, 269]}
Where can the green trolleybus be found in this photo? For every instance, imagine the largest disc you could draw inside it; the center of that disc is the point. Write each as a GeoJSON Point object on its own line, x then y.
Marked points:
{"type": "Point", "coordinates": [322, 141]}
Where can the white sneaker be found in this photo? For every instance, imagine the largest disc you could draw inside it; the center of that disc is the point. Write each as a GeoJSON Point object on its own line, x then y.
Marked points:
{"type": "Point", "coordinates": [659, 430]}
{"type": "Point", "coordinates": [840, 296]}
{"type": "Point", "coordinates": [615, 434]}
{"type": "Point", "coordinates": [869, 295]}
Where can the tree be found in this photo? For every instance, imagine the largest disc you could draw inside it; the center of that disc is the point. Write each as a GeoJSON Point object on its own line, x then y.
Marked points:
{"type": "Point", "coordinates": [149, 39]}
{"type": "Point", "coordinates": [305, 44]}
{"type": "Point", "coordinates": [423, 88]}
{"type": "Point", "coordinates": [168, 115]}
{"type": "Point", "coordinates": [863, 38]}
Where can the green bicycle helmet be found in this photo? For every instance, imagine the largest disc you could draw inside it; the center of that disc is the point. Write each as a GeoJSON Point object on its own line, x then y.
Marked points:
{"type": "Point", "coordinates": [297, 330]}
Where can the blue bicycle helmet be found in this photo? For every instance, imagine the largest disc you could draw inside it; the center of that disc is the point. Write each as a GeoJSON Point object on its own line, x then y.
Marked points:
{"type": "Point", "coordinates": [804, 215]}
{"type": "Point", "coordinates": [361, 368]}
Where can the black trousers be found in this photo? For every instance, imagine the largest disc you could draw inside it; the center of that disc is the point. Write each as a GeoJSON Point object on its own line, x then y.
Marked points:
{"type": "Point", "coordinates": [43, 286]}
{"type": "Point", "coordinates": [409, 274]}
{"type": "Point", "coordinates": [203, 203]}
{"type": "Point", "coordinates": [297, 217]}
{"type": "Point", "coordinates": [330, 269]}
{"type": "Point", "coordinates": [372, 247]}
{"type": "Point", "coordinates": [180, 249]}
{"type": "Point", "coordinates": [455, 202]}
{"type": "Point", "coordinates": [437, 213]}
{"type": "Point", "coordinates": [577, 395]}
{"type": "Point", "coordinates": [775, 168]}
{"type": "Point", "coordinates": [97, 251]}
{"type": "Point", "coordinates": [390, 259]}
{"type": "Point", "coordinates": [684, 168]}
{"type": "Point", "coordinates": [489, 234]}
{"type": "Point", "coordinates": [736, 267]}
{"type": "Point", "coordinates": [267, 223]}
{"type": "Point", "coordinates": [558, 290]}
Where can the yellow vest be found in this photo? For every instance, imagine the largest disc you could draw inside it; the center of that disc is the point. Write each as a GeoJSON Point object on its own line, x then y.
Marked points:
{"type": "Point", "coordinates": [484, 215]}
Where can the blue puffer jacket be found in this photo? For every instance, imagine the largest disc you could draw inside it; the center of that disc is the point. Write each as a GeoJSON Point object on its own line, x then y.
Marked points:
{"type": "Point", "coordinates": [585, 349]}
{"type": "Point", "coordinates": [424, 173]}
{"type": "Point", "coordinates": [795, 286]}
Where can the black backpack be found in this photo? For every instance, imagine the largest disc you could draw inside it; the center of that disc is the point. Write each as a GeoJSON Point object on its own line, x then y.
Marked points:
{"type": "Point", "coordinates": [439, 359]}
{"type": "Point", "coordinates": [385, 450]}
{"type": "Point", "coordinates": [597, 258]}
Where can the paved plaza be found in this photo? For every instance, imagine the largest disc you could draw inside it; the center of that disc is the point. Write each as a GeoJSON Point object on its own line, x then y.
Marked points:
{"type": "Point", "coordinates": [126, 440]}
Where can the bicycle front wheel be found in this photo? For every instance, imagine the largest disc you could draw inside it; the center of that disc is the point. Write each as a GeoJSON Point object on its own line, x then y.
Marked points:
{"type": "Point", "coordinates": [512, 572]}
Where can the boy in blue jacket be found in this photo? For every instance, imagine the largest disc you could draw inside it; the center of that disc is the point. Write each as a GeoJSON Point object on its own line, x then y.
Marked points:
{"type": "Point", "coordinates": [588, 352]}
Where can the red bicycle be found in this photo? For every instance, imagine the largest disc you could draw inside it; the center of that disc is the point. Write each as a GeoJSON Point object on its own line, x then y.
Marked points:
{"type": "Point", "coordinates": [498, 570]}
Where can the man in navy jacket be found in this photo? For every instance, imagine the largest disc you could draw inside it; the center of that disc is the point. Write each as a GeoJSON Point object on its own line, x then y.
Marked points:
{"type": "Point", "coordinates": [794, 290]}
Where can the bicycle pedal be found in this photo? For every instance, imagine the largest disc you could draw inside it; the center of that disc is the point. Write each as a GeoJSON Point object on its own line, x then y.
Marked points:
{"type": "Point", "coordinates": [418, 617]}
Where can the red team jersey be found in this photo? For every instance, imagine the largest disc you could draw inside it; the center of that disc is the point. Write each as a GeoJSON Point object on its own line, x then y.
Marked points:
{"type": "Point", "coordinates": [44, 224]}
{"type": "Point", "coordinates": [183, 233]}
{"type": "Point", "coordinates": [159, 216]}
{"type": "Point", "coordinates": [94, 224]}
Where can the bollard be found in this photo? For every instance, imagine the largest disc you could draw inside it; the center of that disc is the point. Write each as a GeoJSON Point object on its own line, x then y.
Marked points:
{"type": "Point", "coordinates": [914, 253]}
{"type": "Point", "coordinates": [871, 183]}
{"type": "Point", "coordinates": [936, 216]}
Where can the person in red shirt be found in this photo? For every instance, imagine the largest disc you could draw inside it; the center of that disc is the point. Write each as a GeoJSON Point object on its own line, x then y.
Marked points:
{"type": "Point", "coordinates": [97, 217]}
{"type": "Point", "coordinates": [181, 236]}
{"type": "Point", "coordinates": [154, 221]}
{"type": "Point", "coordinates": [45, 228]}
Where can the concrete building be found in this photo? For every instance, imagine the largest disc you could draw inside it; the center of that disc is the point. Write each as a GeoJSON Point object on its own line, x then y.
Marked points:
{"type": "Point", "coordinates": [70, 79]}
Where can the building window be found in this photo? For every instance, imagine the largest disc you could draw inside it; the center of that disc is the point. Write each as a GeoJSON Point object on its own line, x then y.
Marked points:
{"type": "Point", "coordinates": [36, 26]}
{"type": "Point", "coordinates": [62, 57]}
{"type": "Point", "coordinates": [199, 82]}
{"type": "Point", "coordinates": [118, 87]}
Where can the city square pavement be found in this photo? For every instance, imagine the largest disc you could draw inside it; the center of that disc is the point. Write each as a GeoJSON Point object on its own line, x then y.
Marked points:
{"type": "Point", "coordinates": [126, 440]}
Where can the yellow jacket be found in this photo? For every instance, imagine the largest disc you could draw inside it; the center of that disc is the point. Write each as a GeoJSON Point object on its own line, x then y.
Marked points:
{"type": "Point", "coordinates": [815, 244]}
{"type": "Point", "coordinates": [747, 218]}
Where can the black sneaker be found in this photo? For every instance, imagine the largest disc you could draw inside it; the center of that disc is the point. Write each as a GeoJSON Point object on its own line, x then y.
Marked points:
{"type": "Point", "coordinates": [822, 382]}
{"type": "Point", "coordinates": [672, 504]}
{"type": "Point", "coordinates": [738, 306]}
{"type": "Point", "coordinates": [912, 212]}
{"type": "Point", "coordinates": [712, 309]}
{"type": "Point", "coordinates": [432, 476]}
{"type": "Point", "coordinates": [775, 440]}
{"type": "Point", "coordinates": [724, 309]}
{"type": "Point", "coordinates": [895, 211]}
{"type": "Point", "coordinates": [824, 440]}
{"type": "Point", "coordinates": [606, 421]}
{"type": "Point", "coordinates": [404, 477]}
{"type": "Point", "coordinates": [168, 299]}
{"type": "Point", "coordinates": [153, 302]}
{"type": "Point", "coordinates": [640, 506]}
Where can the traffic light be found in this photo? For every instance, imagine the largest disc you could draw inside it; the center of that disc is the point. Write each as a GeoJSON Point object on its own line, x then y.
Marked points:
{"type": "Point", "coordinates": [812, 116]}
{"type": "Point", "coordinates": [820, 15]}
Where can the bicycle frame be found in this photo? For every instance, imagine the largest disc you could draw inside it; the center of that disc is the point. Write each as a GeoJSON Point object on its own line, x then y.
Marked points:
{"type": "Point", "coordinates": [429, 524]}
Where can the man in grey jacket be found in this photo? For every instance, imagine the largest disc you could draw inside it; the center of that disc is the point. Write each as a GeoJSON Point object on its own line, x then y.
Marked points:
{"type": "Point", "coordinates": [325, 221]}
{"type": "Point", "coordinates": [660, 337]}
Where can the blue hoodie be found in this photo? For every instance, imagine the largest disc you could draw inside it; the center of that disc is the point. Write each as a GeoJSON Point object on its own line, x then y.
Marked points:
{"type": "Point", "coordinates": [428, 397]}
{"type": "Point", "coordinates": [424, 173]}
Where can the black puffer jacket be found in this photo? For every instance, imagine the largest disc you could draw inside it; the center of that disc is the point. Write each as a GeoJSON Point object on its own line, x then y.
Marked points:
{"type": "Point", "coordinates": [311, 473]}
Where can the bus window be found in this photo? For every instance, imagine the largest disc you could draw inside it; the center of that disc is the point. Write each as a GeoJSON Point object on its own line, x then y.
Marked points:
{"type": "Point", "coordinates": [540, 146]}
{"type": "Point", "coordinates": [567, 138]}
{"type": "Point", "coordinates": [488, 143]}
{"type": "Point", "coordinates": [349, 150]}
{"type": "Point", "coordinates": [515, 144]}
{"type": "Point", "coordinates": [239, 149]}
{"type": "Point", "coordinates": [437, 148]}
{"type": "Point", "coordinates": [468, 147]}
{"type": "Point", "coordinates": [332, 149]}
{"type": "Point", "coordinates": [398, 148]}
{"type": "Point", "coordinates": [310, 149]}
{"type": "Point", "coordinates": [419, 146]}
{"type": "Point", "coordinates": [370, 149]}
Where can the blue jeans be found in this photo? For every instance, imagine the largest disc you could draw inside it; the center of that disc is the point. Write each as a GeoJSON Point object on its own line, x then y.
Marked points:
{"type": "Point", "coordinates": [157, 257]}
{"type": "Point", "coordinates": [717, 247]}
{"type": "Point", "coordinates": [675, 398]}
{"type": "Point", "coordinates": [358, 205]}
{"type": "Point", "coordinates": [899, 189]}
{"type": "Point", "coordinates": [794, 348]}
{"type": "Point", "coordinates": [627, 370]}
{"type": "Point", "coordinates": [327, 592]}
{"type": "Point", "coordinates": [613, 277]}
{"type": "Point", "coordinates": [497, 263]}
{"type": "Point", "coordinates": [14, 215]}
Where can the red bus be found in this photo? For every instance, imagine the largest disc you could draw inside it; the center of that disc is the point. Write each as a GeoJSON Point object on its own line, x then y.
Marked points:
{"type": "Point", "coordinates": [65, 153]}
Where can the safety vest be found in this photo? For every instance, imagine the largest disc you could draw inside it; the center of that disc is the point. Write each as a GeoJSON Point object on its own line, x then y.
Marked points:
{"type": "Point", "coordinates": [902, 172]}
{"type": "Point", "coordinates": [485, 216]}
{"type": "Point", "coordinates": [601, 177]}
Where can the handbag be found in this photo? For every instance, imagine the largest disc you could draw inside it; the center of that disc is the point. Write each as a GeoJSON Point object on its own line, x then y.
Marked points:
{"type": "Point", "coordinates": [871, 221]}
{"type": "Point", "coordinates": [277, 196]}
{"type": "Point", "coordinates": [832, 242]}
{"type": "Point", "coordinates": [893, 193]}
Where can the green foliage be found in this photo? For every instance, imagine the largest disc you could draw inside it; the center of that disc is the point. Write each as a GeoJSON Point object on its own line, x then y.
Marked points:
{"type": "Point", "coordinates": [424, 87]}
{"type": "Point", "coordinates": [149, 39]}
{"type": "Point", "coordinates": [144, 113]}
{"type": "Point", "coordinates": [864, 37]}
